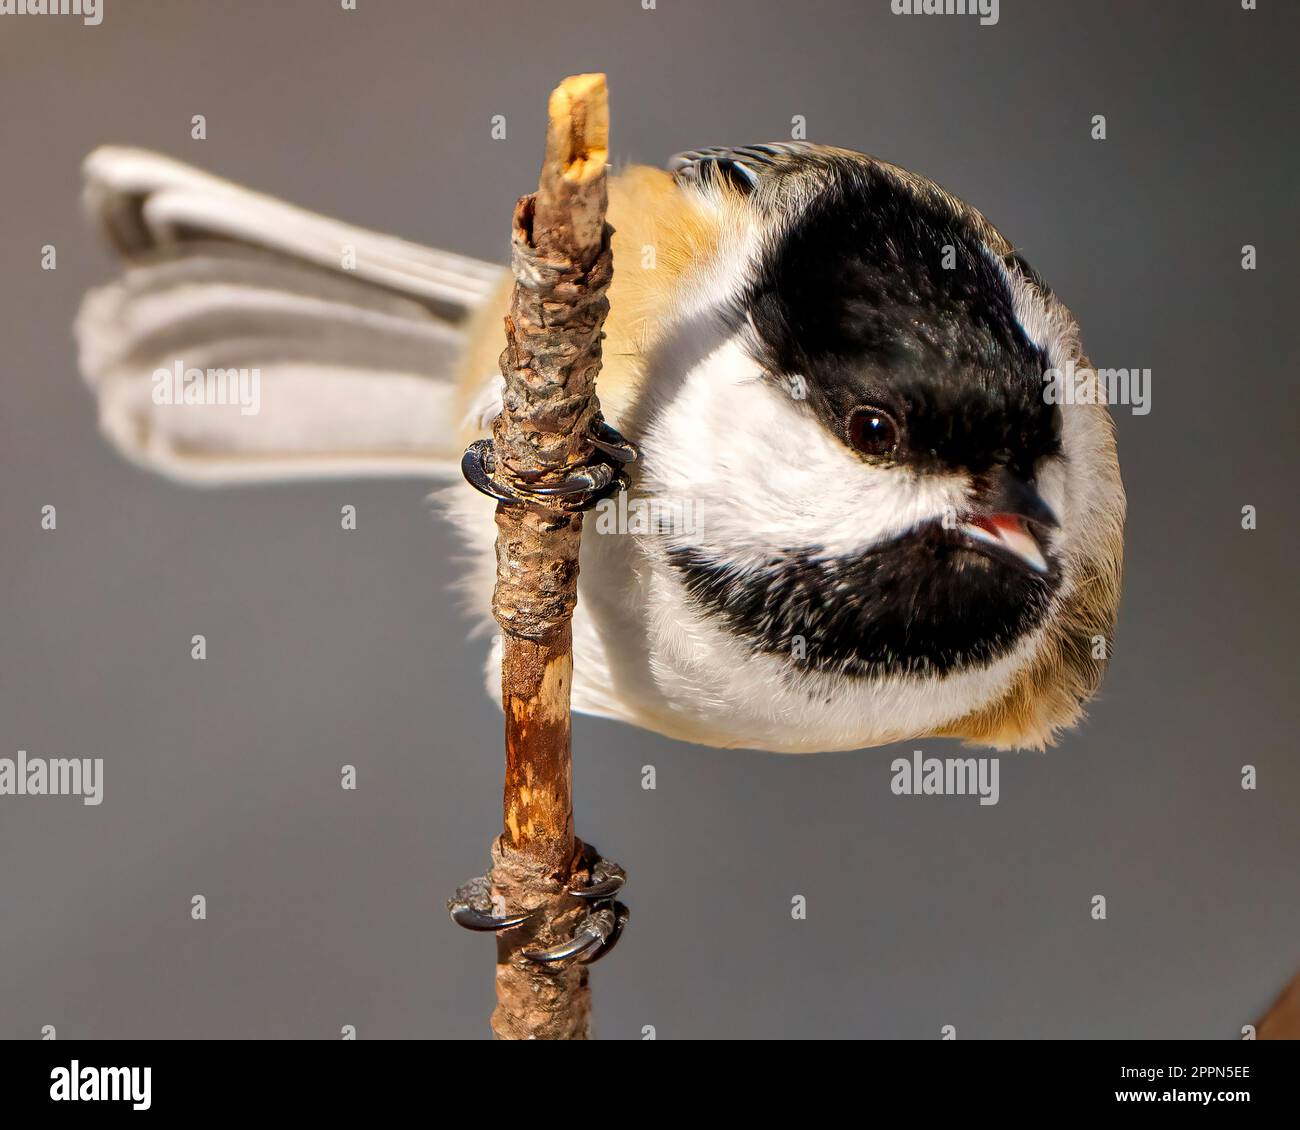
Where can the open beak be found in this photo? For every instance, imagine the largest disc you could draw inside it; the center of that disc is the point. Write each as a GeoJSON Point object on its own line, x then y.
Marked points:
{"type": "Point", "coordinates": [1006, 519]}
{"type": "Point", "coordinates": [1010, 534]}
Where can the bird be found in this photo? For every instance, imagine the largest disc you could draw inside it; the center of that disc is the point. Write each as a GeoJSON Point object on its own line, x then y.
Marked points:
{"type": "Point", "coordinates": [862, 521]}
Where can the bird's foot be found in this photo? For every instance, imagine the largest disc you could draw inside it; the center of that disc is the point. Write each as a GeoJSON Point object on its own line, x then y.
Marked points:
{"type": "Point", "coordinates": [602, 928]}
{"type": "Point", "coordinates": [597, 933]}
{"type": "Point", "coordinates": [581, 490]}
{"type": "Point", "coordinates": [471, 907]}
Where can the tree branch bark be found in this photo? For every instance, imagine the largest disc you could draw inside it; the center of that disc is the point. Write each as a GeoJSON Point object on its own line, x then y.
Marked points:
{"type": "Point", "coordinates": [562, 266]}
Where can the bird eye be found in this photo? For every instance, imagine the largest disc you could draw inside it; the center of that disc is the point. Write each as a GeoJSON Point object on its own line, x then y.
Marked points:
{"type": "Point", "coordinates": [873, 432]}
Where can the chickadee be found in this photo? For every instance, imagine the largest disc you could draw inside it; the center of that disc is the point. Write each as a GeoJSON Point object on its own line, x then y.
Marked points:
{"type": "Point", "coordinates": [866, 521]}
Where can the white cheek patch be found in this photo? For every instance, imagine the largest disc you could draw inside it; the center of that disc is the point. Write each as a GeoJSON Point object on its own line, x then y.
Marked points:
{"type": "Point", "coordinates": [763, 474]}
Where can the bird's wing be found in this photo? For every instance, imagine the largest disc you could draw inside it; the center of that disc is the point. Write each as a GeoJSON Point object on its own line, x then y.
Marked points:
{"type": "Point", "coordinates": [353, 336]}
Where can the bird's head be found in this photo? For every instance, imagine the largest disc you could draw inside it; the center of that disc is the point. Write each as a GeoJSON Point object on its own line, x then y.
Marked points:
{"type": "Point", "coordinates": [859, 426]}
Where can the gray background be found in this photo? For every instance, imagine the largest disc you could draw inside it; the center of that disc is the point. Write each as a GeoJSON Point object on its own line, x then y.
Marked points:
{"type": "Point", "coordinates": [325, 648]}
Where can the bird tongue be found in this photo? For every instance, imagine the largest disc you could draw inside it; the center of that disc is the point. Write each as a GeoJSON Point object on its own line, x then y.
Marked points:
{"type": "Point", "coordinates": [1009, 532]}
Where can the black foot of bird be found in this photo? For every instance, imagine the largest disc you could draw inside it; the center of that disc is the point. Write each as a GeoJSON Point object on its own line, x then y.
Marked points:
{"type": "Point", "coordinates": [579, 491]}
{"type": "Point", "coordinates": [597, 933]}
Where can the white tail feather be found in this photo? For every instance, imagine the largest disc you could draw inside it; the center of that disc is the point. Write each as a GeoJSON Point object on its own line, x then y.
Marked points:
{"type": "Point", "coordinates": [354, 336]}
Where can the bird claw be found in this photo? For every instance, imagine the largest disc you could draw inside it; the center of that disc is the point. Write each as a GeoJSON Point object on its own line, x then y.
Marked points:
{"type": "Point", "coordinates": [597, 933]}
{"type": "Point", "coordinates": [591, 480]}
{"type": "Point", "coordinates": [595, 928]}
{"type": "Point", "coordinates": [595, 937]}
{"type": "Point", "coordinates": [471, 907]}
{"type": "Point", "coordinates": [600, 931]}
{"type": "Point", "coordinates": [607, 880]}
{"type": "Point", "coordinates": [477, 465]}
{"type": "Point", "coordinates": [611, 442]}
{"type": "Point", "coordinates": [621, 915]}
{"type": "Point", "coordinates": [580, 491]}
